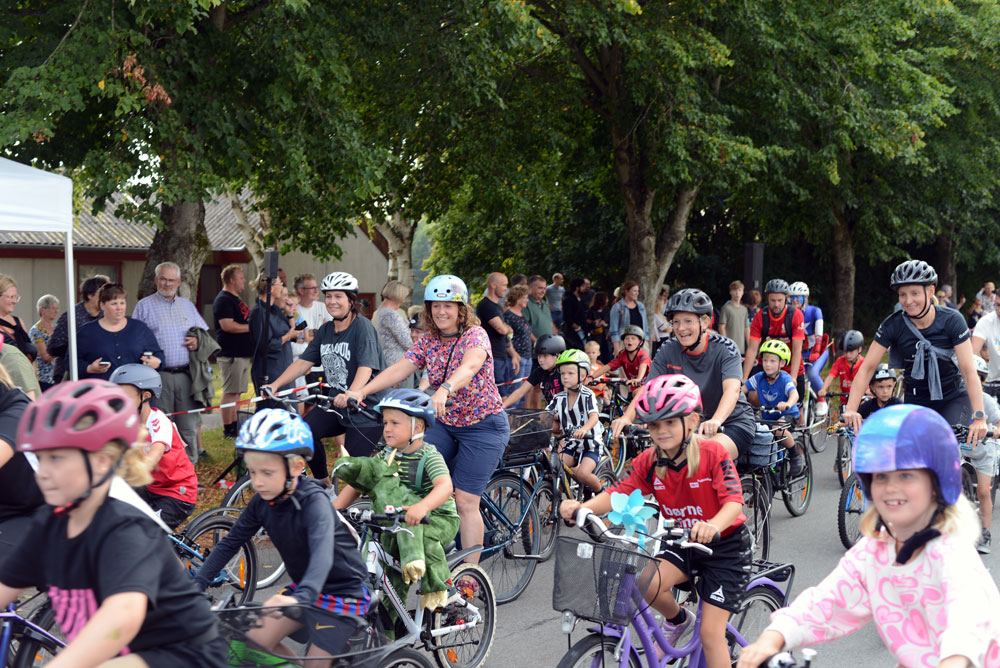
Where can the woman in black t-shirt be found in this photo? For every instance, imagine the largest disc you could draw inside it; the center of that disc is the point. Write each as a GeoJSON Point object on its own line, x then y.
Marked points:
{"type": "Point", "coordinates": [931, 344]}
{"type": "Point", "coordinates": [114, 583]}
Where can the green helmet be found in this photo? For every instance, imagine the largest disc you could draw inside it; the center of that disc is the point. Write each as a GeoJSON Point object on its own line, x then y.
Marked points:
{"type": "Point", "coordinates": [777, 347]}
{"type": "Point", "coordinates": [573, 356]}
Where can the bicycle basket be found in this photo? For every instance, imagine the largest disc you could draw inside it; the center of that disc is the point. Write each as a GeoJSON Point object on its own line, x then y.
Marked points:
{"type": "Point", "coordinates": [598, 581]}
{"type": "Point", "coordinates": [764, 449]}
{"type": "Point", "coordinates": [530, 430]}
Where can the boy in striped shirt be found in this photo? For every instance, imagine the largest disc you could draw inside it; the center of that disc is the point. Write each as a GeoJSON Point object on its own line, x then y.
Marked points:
{"type": "Point", "coordinates": [576, 414]}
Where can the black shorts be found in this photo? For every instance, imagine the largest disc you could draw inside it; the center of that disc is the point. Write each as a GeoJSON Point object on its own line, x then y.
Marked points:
{"type": "Point", "coordinates": [956, 410]}
{"type": "Point", "coordinates": [721, 578]}
{"type": "Point", "coordinates": [212, 654]}
{"type": "Point", "coordinates": [172, 511]}
{"type": "Point", "coordinates": [742, 433]}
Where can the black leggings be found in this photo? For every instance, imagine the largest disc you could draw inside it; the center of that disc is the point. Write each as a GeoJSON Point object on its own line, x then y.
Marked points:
{"type": "Point", "coordinates": [359, 441]}
{"type": "Point", "coordinates": [956, 410]}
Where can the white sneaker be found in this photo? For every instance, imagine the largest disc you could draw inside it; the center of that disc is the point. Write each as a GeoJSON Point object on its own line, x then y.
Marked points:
{"type": "Point", "coordinates": [822, 408]}
{"type": "Point", "coordinates": [674, 633]}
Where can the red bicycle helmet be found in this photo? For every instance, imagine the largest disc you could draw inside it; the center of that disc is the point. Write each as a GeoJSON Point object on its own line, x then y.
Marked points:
{"type": "Point", "coordinates": [667, 396]}
{"type": "Point", "coordinates": [85, 414]}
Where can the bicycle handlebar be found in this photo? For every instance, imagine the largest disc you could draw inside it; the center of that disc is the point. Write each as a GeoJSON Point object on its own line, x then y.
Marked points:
{"type": "Point", "coordinates": [669, 535]}
{"type": "Point", "coordinates": [391, 514]}
{"type": "Point", "coordinates": [787, 660]}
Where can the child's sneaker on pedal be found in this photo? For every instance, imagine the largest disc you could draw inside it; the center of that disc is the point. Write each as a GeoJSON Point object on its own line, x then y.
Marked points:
{"type": "Point", "coordinates": [675, 632]}
{"type": "Point", "coordinates": [983, 545]}
{"type": "Point", "coordinates": [797, 462]}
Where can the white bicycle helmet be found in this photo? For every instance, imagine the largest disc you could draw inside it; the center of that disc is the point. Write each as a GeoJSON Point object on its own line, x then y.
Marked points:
{"type": "Point", "coordinates": [982, 368]}
{"type": "Point", "coordinates": [798, 289]}
{"type": "Point", "coordinates": [339, 280]}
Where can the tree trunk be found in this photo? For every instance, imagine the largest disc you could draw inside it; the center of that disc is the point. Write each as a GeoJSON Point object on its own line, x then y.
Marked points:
{"type": "Point", "coordinates": [944, 261]}
{"type": "Point", "coordinates": [399, 232]}
{"type": "Point", "coordinates": [843, 272]}
{"type": "Point", "coordinates": [183, 240]}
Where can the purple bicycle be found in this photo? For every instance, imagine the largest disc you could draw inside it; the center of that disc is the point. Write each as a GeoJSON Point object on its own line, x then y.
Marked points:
{"type": "Point", "coordinates": [603, 583]}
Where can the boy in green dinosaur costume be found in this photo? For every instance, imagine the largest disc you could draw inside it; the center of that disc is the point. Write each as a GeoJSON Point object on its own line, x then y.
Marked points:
{"type": "Point", "coordinates": [418, 481]}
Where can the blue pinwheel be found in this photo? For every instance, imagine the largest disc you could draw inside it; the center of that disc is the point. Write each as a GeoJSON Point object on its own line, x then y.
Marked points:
{"type": "Point", "coordinates": [631, 513]}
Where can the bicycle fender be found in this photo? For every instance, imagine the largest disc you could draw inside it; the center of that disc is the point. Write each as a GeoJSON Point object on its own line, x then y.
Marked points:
{"type": "Point", "coordinates": [455, 558]}
{"type": "Point", "coordinates": [770, 584]}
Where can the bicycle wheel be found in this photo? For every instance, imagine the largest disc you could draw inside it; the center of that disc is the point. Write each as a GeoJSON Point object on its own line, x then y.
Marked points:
{"type": "Point", "coordinates": [753, 617]}
{"type": "Point", "coordinates": [511, 530]}
{"type": "Point", "coordinates": [32, 652]}
{"type": "Point", "coordinates": [970, 484]}
{"type": "Point", "coordinates": [605, 473]}
{"type": "Point", "coordinates": [797, 491]}
{"type": "Point", "coordinates": [596, 650]}
{"type": "Point", "coordinates": [470, 647]}
{"type": "Point", "coordinates": [240, 573]}
{"type": "Point", "coordinates": [849, 512]}
{"type": "Point", "coordinates": [817, 435]}
{"type": "Point", "coordinates": [843, 462]}
{"type": "Point", "coordinates": [407, 657]}
{"type": "Point", "coordinates": [271, 565]}
{"type": "Point", "coordinates": [547, 505]}
{"type": "Point", "coordinates": [757, 508]}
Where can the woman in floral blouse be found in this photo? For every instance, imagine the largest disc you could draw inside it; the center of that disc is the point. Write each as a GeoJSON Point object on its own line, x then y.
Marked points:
{"type": "Point", "coordinates": [472, 432]}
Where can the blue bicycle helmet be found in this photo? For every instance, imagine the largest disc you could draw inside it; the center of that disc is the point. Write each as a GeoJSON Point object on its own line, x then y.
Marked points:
{"type": "Point", "coordinates": [139, 376]}
{"type": "Point", "coordinates": [412, 402]}
{"type": "Point", "coordinates": [907, 436]}
{"type": "Point", "coordinates": [446, 288]}
{"type": "Point", "coordinates": [276, 431]}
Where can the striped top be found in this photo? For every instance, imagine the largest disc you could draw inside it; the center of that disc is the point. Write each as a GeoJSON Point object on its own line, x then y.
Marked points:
{"type": "Point", "coordinates": [573, 416]}
{"type": "Point", "coordinates": [434, 468]}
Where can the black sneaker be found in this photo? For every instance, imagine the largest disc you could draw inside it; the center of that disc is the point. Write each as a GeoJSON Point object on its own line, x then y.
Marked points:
{"type": "Point", "coordinates": [984, 542]}
{"type": "Point", "coordinates": [798, 463]}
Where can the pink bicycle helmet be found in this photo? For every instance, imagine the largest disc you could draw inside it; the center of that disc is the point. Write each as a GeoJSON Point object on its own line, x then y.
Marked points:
{"type": "Point", "coordinates": [667, 396]}
{"type": "Point", "coordinates": [85, 414]}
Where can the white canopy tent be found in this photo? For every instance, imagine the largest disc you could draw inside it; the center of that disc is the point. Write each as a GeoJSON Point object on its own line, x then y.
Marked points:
{"type": "Point", "coordinates": [33, 200]}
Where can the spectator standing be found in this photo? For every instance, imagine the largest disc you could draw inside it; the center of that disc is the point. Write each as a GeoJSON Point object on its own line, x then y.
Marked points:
{"type": "Point", "coordinates": [87, 309]}
{"type": "Point", "coordinates": [752, 301]}
{"type": "Point", "coordinates": [170, 316]}
{"type": "Point", "coordinates": [734, 319]}
{"type": "Point", "coordinates": [313, 310]}
{"type": "Point", "coordinates": [537, 312]}
{"type": "Point", "coordinates": [586, 294]}
{"type": "Point", "coordinates": [597, 322]}
{"type": "Point", "coordinates": [12, 326]}
{"type": "Point", "coordinates": [299, 343]}
{"type": "Point", "coordinates": [505, 358]}
{"type": "Point", "coordinates": [627, 311]}
{"type": "Point", "coordinates": [554, 295]}
{"type": "Point", "coordinates": [948, 298]}
{"type": "Point", "coordinates": [272, 353]}
{"type": "Point", "coordinates": [19, 370]}
{"type": "Point", "coordinates": [392, 328]}
{"type": "Point", "coordinates": [661, 326]}
{"type": "Point", "coordinates": [232, 330]}
{"type": "Point", "coordinates": [986, 295]}
{"type": "Point", "coordinates": [518, 279]}
{"type": "Point", "coordinates": [40, 333]}
{"type": "Point", "coordinates": [115, 339]}
{"type": "Point", "coordinates": [976, 312]}
{"type": "Point", "coordinates": [517, 304]}
{"type": "Point", "coordinates": [574, 315]}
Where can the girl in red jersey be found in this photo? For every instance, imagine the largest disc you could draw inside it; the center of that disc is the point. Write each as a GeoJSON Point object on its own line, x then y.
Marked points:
{"type": "Point", "coordinates": [695, 483]}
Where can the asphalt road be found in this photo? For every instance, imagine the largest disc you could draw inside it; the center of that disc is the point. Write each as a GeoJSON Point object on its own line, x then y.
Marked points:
{"type": "Point", "coordinates": [529, 633]}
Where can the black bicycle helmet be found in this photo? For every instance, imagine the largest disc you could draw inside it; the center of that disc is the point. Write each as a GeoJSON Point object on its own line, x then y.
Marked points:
{"type": "Point", "coordinates": [913, 272]}
{"type": "Point", "coordinates": [549, 344]}
{"type": "Point", "coordinates": [689, 300]}
{"type": "Point", "coordinates": [776, 286]}
{"type": "Point", "coordinates": [852, 340]}
{"type": "Point", "coordinates": [882, 372]}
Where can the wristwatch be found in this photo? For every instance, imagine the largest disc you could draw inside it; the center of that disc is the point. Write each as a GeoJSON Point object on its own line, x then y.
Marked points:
{"type": "Point", "coordinates": [979, 415]}
{"type": "Point", "coordinates": [447, 387]}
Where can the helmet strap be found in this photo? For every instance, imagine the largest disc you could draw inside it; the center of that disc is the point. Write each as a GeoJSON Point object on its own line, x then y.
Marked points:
{"type": "Point", "coordinates": [664, 460]}
{"type": "Point", "coordinates": [693, 348]}
{"type": "Point", "coordinates": [61, 511]}
{"type": "Point", "coordinates": [289, 481]}
{"type": "Point", "coordinates": [919, 539]}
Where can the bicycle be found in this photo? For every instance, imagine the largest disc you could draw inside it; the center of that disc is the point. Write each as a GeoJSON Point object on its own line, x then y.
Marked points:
{"type": "Point", "coordinates": [26, 639]}
{"type": "Point", "coordinates": [810, 424]}
{"type": "Point", "coordinates": [796, 490]}
{"type": "Point", "coordinates": [787, 660]}
{"type": "Point", "coordinates": [851, 508]}
{"type": "Point", "coordinates": [457, 621]}
{"type": "Point", "coordinates": [604, 584]}
{"type": "Point", "coordinates": [843, 464]}
{"type": "Point", "coordinates": [633, 440]}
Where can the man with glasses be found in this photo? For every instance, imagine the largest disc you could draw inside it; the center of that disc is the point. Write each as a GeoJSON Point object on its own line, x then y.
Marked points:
{"type": "Point", "coordinates": [170, 316]}
{"type": "Point", "coordinates": [312, 308]}
{"type": "Point", "coordinates": [232, 331]}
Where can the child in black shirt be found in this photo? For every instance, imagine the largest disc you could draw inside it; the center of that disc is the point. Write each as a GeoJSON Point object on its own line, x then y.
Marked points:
{"type": "Point", "coordinates": [113, 580]}
{"type": "Point", "coordinates": [882, 384]}
{"type": "Point", "coordinates": [544, 374]}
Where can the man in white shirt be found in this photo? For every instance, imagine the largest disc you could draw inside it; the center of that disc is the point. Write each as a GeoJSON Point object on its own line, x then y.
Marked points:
{"type": "Point", "coordinates": [987, 333]}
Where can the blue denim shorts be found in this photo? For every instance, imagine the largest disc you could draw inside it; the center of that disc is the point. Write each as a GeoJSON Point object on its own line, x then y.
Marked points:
{"type": "Point", "coordinates": [472, 452]}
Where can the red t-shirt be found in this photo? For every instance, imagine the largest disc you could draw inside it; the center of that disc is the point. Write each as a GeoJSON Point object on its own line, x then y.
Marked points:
{"type": "Point", "coordinates": [631, 367]}
{"type": "Point", "coordinates": [777, 331]}
{"type": "Point", "coordinates": [689, 500]}
{"type": "Point", "coordinates": [174, 474]}
{"type": "Point", "coordinates": [845, 371]}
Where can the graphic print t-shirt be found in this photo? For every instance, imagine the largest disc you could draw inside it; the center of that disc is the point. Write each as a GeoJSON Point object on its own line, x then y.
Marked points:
{"type": "Point", "coordinates": [121, 551]}
{"type": "Point", "coordinates": [341, 353]}
{"type": "Point", "coordinates": [549, 381]}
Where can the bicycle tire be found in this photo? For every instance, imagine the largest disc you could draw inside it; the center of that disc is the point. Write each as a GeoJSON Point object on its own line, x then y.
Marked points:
{"type": "Point", "coordinates": [993, 489]}
{"type": "Point", "coordinates": [797, 491]}
{"type": "Point", "coordinates": [485, 599]}
{"type": "Point", "coordinates": [753, 616]}
{"type": "Point", "coordinates": [851, 508]}
{"type": "Point", "coordinates": [31, 653]}
{"type": "Point", "coordinates": [605, 473]}
{"type": "Point", "coordinates": [615, 451]}
{"type": "Point", "coordinates": [507, 494]}
{"type": "Point", "coordinates": [596, 650]}
{"type": "Point", "coordinates": [970, 484]}
{"type": "Point", "coordinates": [406, 657]}
{"type": "Point", "coordinates": [242, 574]}
{"type": "Point", "coordinates": [815, 428]}
{"type": "Point", "coordinates": [843, 463]}
{"type": "Point", "coordinates": [757, 509]}
{"type": "Point", "coordinates": [270, 564]}
{"type": "Point", "coordinates": [547, 505]}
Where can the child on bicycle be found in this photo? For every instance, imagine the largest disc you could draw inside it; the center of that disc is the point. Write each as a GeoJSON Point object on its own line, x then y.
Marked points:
{"type": "Point", "coordinates": [593, 350]}
{"type": "Point", "coordinates": [544, 374]}
{"type": "Point", "coordinates": [113, 580]}
{"type": "Point", "coordinates": [881, 387]}
{"type": "Point", "coordinates": [406, 416]}
{"type": "Point", "coordinates": [173, 492]}
{"type": "Point", "coordinates": [695, 482]}
{"type": "Point", "coordinates": [632, 360]}
{"type": "Point", "coordinates": [774, 391]}
{"type": "Point", "coordinates": [320, 553]}
{"type": "Point", "coordinates": [915, 570]}
{"type": "Point", "coordinates": [576, 416]}
{"type": "Point", "coordinates": [845, 366]}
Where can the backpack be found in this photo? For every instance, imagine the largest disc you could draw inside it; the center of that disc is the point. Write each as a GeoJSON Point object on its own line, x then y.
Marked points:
{"type": "Point", "coordinates": [765, 322]}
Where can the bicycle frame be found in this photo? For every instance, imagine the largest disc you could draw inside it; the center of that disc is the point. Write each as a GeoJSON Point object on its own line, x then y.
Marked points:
{"type": "Point", "coordinates": [191, 554]}
{"type": "Point", "coordinates": [9, 620]}
{"type": "Point", "coordinates": [497, 515]}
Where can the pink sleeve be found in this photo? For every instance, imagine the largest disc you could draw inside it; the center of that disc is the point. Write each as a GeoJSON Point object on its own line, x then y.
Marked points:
{"type": "Point", "coordinates": [837, 606]}
{"type": "Point", "coordinates": [417, 354]}
{"type": "Point", "coordinates": [477, 338]}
